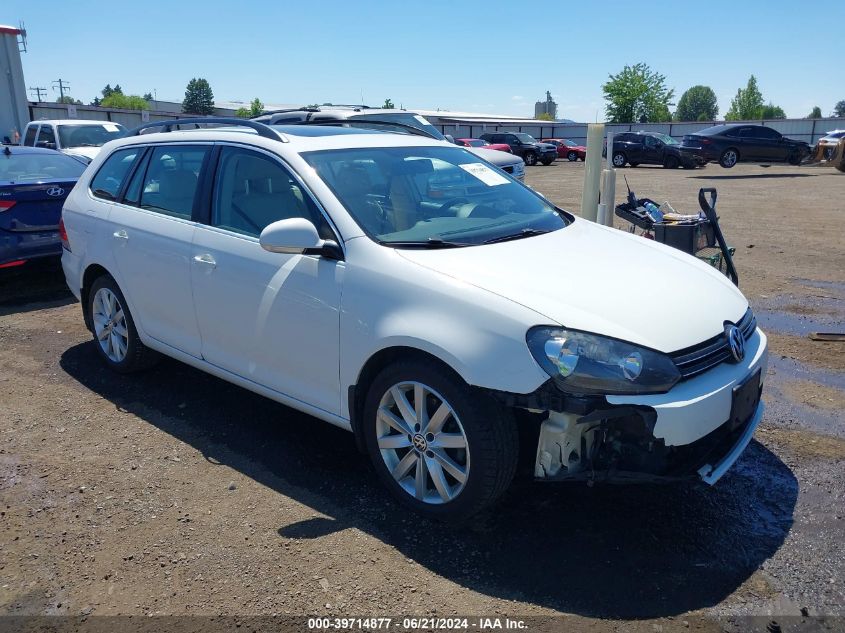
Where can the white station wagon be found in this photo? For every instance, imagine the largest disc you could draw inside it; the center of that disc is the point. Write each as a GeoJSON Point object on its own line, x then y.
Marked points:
{"type": "Point", "coordinates": [405, 290]}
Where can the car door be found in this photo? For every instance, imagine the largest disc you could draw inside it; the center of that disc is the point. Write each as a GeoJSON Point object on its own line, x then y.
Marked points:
{"type": "Point", "coordinates": [153, 228]}
{"type": "Point", "coordinates": [771, 144]}
{"type": "Point", "coordinates": [748, 143]}
{"type": "Point", "coordinates": [271, 318]}
{"type": "Point", "coordinates": [652, 150]}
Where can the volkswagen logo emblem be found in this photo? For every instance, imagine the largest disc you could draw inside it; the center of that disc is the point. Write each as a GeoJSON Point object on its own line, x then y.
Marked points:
{"type": "Point", "coordinates": [55, 191]}
{"type": "Point", "coordinates": [735, 342]}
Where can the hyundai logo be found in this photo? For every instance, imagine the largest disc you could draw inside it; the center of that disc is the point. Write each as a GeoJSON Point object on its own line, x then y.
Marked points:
{"type": "Point", "coordinates": [55, 191]}
{"type": "Point", "coordinates": [736, 342]}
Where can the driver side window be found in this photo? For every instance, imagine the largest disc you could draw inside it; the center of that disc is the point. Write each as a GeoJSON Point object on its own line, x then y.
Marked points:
{"type": "Point", "coordinates": [253, 190]}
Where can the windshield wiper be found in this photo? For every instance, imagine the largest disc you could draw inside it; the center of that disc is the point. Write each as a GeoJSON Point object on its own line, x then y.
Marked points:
{"type": "Point", "coordinates": [517, 236]}
{"type": "Point", "coordinates": [432, 242]}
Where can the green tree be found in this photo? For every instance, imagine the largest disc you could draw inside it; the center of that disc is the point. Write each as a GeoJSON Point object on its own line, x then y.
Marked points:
{"type": "Point", "coordinates": [68, 100]}
{"type": "Point", "coordinates": [544, 116]}
{"type": "Point", "coordinates": [148, 96]}
{"type": "Point", "coordinates": [126, 102]}
{"type": "Point", "coordinates": [96, 101]}
{"type": "Point", "coordinates": [697, 104]}
{"type": "Point", "coordinates": [839, 108]}
{"type": "Point", "coordinates": [637, 93]}
{"type": "Point", "coordinates": [199, 99]}
{"type": "Point", "coordinates": [816, 113]}
{"type": "Point", "coordinates": [256, 108]}
{"type": "Point", "coordinates": [109, 91]}
{"type": "Point", "coordinates": [771, 111]}
{"type": "Point", "coordinates": [388, 104]}
{"type": "Point", "coordinates": [747, 104]}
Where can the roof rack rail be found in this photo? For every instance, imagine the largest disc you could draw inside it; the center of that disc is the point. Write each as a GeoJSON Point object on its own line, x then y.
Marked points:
{"type": "Point", "coordinates": [260, 128]}
{"type": "Point", "coordinates": [367, 123]}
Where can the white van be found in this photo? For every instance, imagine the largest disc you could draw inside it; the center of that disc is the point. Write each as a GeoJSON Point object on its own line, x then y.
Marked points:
{"type": "Point", "coordinates": [77, 137]}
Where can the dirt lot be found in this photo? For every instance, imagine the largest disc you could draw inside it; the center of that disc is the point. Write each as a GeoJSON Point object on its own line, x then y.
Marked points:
{"type": "Point", "coordinates": [173, 492]}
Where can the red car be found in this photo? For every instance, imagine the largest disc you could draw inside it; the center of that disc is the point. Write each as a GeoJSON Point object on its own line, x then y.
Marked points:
{"type": "Point", "coordinates": [477, 142]}
{"type": "Point", "coordinates": [567, 149]}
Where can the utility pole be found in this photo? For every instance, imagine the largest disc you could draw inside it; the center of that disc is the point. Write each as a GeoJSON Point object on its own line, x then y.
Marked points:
{"type": "Point", "coordinates": [38, 92]}
{"type": "Point", "coordinates": [63, 86]}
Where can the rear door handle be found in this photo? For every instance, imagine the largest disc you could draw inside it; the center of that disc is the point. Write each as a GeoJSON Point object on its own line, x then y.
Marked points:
{"type": "Point", "coordinates": [205, 259]}
{"type": "Point", "coordinates": [121, 235]}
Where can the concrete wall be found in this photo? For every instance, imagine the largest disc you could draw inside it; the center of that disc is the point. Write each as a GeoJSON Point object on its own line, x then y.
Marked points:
{"type": "Point", "coordinates": [128, 118]}
{"type": "Point", "coordinates": [13, 111]}
{"type": "Point", "coordinates": [809, 130]}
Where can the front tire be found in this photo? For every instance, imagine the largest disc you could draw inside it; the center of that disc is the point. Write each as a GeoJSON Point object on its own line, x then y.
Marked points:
{"type": "Point", "coordinates": [795, 158]}
{"type": "Point", "coordinates": [114, 329]}
{"type": "Point", "coordinates": [548, 161]}
{"type": "Point", "coordinates": [729, 158]}
{"type": "Point", "coordinates": [530, 158]}
{"type": "Point", "coordinates": [619, 159]}
{"type": "Point", "coordinates": [441, 448]}
{"type": "Point", "coordinates": [671, 162]}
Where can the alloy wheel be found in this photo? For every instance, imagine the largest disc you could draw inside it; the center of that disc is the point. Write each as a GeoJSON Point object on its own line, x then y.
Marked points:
{"type": "Point", "coordinates": [618, 160]}
{"type": "Point", "coordinates": [110, 325]}
{"type": "Point", "coordinates": [729, 159]}
{"type": "Point", "coordinates": [422, 443]}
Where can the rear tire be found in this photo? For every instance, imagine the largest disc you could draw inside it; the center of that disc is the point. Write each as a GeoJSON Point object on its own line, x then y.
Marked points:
{"type": "Point", "coordinates": [572, 156]}
{"type": "Point", "coordinates": [729, 158]}
{"type": "Point", "coordinates": [530, 158]}
{"type": "Point", "coordinates": [619, 159]}
{"type": "Point", "coordinates": [476, 440]}
{"type": "Point", "coordinates": [115, 334]}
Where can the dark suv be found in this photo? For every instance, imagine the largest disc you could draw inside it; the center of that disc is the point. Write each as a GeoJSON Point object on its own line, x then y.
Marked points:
{"type": "Point", "coordinates": [524, 146]}
{"type": "Point", "coordinates": [740, 143]}
{"type": "Point", "coordinates": [651, 148]}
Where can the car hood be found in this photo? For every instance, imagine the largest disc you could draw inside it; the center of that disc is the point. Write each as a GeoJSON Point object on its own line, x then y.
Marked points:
{"type": "Point", "coordinates": [598, 279]}
{"type": "Point", "coordinates": [88, 152]}
{"type": "Point", "coordinates": [546, 146]}
{"type": "Point", "coordinates": [494, 156]}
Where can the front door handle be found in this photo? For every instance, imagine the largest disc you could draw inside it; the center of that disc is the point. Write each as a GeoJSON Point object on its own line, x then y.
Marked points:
{"type": "Point", "coordinates": [205, 259]}
{"type": "Point", "coordinates": [121, 235]}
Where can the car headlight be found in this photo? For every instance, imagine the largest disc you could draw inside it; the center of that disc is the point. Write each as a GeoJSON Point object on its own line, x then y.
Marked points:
{"type": "Point", "coordinates": [591, 364]}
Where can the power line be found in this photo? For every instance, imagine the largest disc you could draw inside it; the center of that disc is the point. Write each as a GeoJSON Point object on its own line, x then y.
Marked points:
{"type": "Point", "coordinates": [38, 92]}
{"type": "Point", "coordinates": [63, 87]}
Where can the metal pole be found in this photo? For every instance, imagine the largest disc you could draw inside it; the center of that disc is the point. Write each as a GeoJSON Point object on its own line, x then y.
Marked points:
{"type": "Point", "coordinates": [592, 171]}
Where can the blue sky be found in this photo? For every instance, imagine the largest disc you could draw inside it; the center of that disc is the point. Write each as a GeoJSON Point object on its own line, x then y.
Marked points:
{"type": "Point", "coordinates": [480, 56]}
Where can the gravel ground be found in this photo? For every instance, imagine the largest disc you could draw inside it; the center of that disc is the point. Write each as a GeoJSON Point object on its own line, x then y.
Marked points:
{"type": "Point", "coordinates": [172, 492]}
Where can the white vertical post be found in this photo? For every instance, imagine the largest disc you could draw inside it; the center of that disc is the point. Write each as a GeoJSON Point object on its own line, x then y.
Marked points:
{"type": "Point", "coordinates": [592, 172]}
{"type": "Point", "coordinates": [609, 148]}
{"type": "Point", "coordinates": [608, 195]}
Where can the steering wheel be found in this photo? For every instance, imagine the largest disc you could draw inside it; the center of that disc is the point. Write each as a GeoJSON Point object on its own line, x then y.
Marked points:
{"type": "Point", "coordinates": [451, 203]}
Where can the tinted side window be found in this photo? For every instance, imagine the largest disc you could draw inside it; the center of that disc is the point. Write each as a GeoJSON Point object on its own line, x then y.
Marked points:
{"type": "Point", "coordinates": [253, 190]}
{"type": "Point", "coordinates": [650, 141]}
{"type": "Point", "coordinates": [172, 175]}
{"type": "Point", "coordinates": [30, 135]}
{"type": "Point", "coordinates": [767, 133]}
{"type": "Point", "coordinates": [106, 184]}
{"type": "Point", "coordinates": [46, 134]}
{"type": "Point", "coordinates": [736, 132]}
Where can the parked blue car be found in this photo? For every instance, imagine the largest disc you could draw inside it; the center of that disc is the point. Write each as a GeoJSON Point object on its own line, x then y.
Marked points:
{"type": "Point", "coordinates": [34, 183]}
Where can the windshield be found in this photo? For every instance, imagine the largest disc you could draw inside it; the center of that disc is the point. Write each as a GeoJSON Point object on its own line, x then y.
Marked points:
{"type": "Point", "coordinates": [833, 135]}
{"type": "Point", "coordinates": [525, 138]}
{"type": "Point", "coordinates": [431, 196]}
{"type": "Point", "coordinates": [39, 167]}
{"type": "Point", "coordinates": [666, 139]}
{"type": "Point", "coordinates": [569, 143]}
{"type": "Point", "coordinates": [89, 135]}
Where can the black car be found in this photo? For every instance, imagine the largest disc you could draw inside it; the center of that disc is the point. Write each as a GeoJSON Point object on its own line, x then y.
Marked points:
{"type": "Point", "coordinates": [730, 144]}
{"type": "Point", "coordinates": [651, 148]}
{"type": "Point", "coordinates": [525, 146]}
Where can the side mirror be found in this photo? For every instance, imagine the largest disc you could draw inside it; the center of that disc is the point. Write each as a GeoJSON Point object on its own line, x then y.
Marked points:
{"type": "Point", "coordinates": [297, 236]}
{"type": "Point", "coordinates": [450, 138]}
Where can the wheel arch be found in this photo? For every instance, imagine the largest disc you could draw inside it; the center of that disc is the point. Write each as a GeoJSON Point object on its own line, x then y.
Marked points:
{"type": "Point", "coordinates": [91, 274]}
{"type": "Point", "coordinates": [357, 393]}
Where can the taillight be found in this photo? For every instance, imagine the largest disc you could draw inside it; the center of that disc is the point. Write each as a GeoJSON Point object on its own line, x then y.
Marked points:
{"type": "Point", "coordinates": [63, 235]}
{"type": "Point", "coordinates": [5, 205]}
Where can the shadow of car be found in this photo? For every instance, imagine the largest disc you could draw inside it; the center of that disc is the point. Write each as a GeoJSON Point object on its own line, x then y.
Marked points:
{"type": "Point", "coordinates": [605, 551]}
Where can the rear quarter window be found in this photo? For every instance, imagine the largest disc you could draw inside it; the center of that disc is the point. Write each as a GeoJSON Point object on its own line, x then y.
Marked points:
{"type": "Point", "coordinates": [29, 139]}
{"type": "Point", "coordinates": [106, 184]}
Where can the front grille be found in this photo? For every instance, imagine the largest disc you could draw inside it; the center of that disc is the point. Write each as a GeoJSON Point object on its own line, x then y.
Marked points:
{"type": "Point", "coordinates": [699, 358]}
